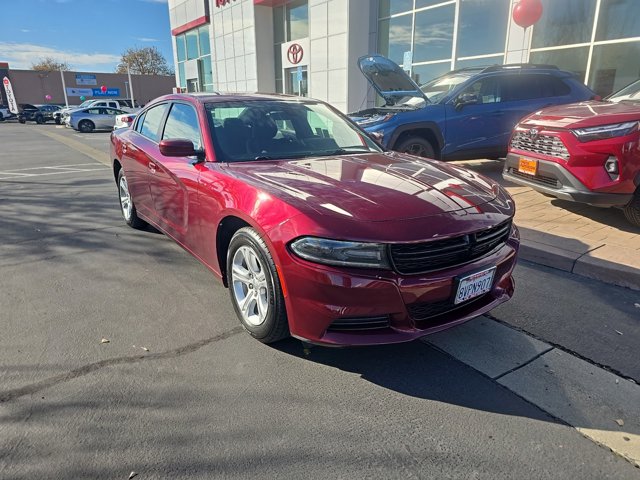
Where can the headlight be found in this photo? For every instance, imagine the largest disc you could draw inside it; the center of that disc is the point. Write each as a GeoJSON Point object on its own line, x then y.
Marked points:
{"type": "Point", "coordinates": [341, 253]}
{"type": "Point", "coordinates": [605, 131]}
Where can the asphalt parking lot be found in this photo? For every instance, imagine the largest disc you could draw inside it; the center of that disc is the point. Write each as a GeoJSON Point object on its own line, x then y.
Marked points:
{"type": "Point", "coordinates": [120, 353]}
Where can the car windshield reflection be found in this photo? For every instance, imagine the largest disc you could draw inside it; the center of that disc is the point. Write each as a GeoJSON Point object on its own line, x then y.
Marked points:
{"type": "Point", "coordinates": [278, 130]}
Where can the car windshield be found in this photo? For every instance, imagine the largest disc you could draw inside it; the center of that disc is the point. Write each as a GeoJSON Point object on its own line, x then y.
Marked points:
{"type": "Point", "coordinates": [630, 92]}
{"type": "Point", "coordinates": [437, 88]}
{"type": "Point", "coordinates": [277, 129]}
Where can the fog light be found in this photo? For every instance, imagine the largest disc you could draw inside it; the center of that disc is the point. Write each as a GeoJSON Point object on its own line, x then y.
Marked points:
{"type": "Point", "coordinates": [611, 166]}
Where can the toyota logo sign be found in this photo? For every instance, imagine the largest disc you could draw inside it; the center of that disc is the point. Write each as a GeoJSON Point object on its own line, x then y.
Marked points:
{"type": "Point", "coordinates": [295, 53]}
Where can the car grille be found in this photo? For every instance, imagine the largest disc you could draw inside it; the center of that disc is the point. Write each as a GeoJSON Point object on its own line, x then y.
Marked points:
{"type": "Point", "coordinates": [541, 179]}
{"type": "Point", "coordinates": [542, 144]}
{"type": "Point", "coordinates": [359, 323]}
{"type": "Point", "coordinates": [439, 254]}
{"type": "Point", "coordinates": [425, 311]}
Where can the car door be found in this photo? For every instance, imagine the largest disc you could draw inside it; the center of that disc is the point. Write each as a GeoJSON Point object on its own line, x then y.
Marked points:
{"type": "Point", "coordinates": [526, 93]}
{"type": "Point", "coordinates": [140, 148]}
{"type": "Point", "coordinates": [174, 180]}
{"type": "Point", "coordinates": [475, 119]}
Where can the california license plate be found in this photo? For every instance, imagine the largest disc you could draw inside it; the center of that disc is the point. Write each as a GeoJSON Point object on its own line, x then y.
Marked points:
{"type": "Point", "coordinates": [530, 167]}
{"type": "Point", "coordinates": [474, 285]}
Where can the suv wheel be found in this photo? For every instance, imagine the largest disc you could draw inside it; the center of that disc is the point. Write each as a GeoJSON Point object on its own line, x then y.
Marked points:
{"type": "Point", "coordinates": [417, 146]}
{"type": "Point", "coordinates": [632, 210]}
{"type": "Point", "coordinates": [39, 119]}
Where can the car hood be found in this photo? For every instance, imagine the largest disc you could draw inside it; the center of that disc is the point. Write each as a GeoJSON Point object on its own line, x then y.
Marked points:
{"type": "Point", "coordinates": [369, 187]}
{"type": "Point", "coordinates": [584, 114]}
{"type": "Point", "coordinates": [389, 80]}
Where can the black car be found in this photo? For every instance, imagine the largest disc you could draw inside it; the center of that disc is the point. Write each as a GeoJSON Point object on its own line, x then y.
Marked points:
{"type": "Point", "coordinates": [36, 113]}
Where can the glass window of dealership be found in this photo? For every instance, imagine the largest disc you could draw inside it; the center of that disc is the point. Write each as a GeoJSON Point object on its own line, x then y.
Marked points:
{"type": "Point", "coordinates": [599, 40]}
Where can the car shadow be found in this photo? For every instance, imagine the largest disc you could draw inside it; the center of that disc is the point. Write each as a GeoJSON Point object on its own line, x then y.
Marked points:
{"type": "Point", "coordinates": [611, 217]}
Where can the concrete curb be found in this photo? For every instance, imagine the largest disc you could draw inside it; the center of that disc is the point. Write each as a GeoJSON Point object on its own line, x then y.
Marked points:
{"type": "Point", "coordinates": [602, 406]}
{"type": "Point", "coordinates": [589, 264]}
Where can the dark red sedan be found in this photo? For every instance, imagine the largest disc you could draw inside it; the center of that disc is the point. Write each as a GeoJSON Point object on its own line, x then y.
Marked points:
{"type": "Point", "coordinates": [316, 230]}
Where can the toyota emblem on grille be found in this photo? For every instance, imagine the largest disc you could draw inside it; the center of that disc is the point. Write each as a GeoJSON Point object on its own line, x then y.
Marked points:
{"type": "Point", "coordinates": [533, 133]}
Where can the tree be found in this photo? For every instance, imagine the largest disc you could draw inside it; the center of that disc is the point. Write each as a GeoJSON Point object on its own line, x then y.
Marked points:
{"type": "Point", "coordinates": [144, 61]}
{"type": "Point", "coordinates": [49, 64]}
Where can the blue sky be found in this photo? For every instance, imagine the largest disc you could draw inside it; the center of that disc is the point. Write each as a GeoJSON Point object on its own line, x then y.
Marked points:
{"type": "Point", "coordinates": [88, 34]}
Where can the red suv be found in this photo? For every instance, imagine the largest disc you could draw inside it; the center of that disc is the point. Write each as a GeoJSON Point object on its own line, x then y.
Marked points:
{"type": "Point", "coordinates": [586, 152]}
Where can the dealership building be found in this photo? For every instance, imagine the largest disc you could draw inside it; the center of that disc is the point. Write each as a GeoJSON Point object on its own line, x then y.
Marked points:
{"type": "Point", "coordinates": [311, 47]}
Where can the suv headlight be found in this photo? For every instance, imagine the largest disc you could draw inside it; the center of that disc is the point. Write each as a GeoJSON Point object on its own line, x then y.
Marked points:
{"type": "Point", "coordinates": [605, 131]}
{"type": "Point", "coordinates": [341, 253]}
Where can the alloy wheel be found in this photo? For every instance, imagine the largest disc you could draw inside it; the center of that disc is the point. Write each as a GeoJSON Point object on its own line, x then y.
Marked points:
{"type": "Point", "coordinates": [250, 286]}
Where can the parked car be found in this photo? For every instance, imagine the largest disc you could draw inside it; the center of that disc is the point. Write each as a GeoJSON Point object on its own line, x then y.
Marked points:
{"type": "Point", "coordinates": [317, 231]}
{"type": "Point", "coordinates": [124, 120]}
{"type": "Point", "coordinates": [119, 104]}
{"type": "Point", "coordinates": [36, 113]}
{"type": "Point", "coordinates": [585, 152]}
{"type": "Point", "coordinates": [467, 113]}
{"type": "Point", "coordinates": [5, 114]}
{"type": "Point", "coordinates": [93, 118]}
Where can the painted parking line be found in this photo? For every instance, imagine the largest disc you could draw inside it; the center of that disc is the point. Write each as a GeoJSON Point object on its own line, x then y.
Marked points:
{"type": "Point", "coordinates": [101, 156]}
{"type": "Point", "coordinates": [50, 170]}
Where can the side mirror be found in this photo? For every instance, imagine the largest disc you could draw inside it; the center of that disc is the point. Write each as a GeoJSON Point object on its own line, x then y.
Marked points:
{"type": "Point", "coordinates": [178, 147]}
{"type": "Point", "coordinates": [376, 137]}
{"type": "Point", "coordinates": [466, 99]}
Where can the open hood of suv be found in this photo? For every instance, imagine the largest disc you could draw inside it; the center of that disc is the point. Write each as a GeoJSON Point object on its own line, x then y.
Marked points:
{"type": "Point", "coordinates": [389, 80]}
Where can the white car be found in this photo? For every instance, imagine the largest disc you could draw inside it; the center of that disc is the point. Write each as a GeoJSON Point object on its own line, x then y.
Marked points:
{"type": "Point", "coordinates": [5, 114]}
{"type": "Point", "coordinates": [124, 120]}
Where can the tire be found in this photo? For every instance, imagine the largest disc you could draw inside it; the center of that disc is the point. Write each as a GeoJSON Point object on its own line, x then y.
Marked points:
{"type": "Point", "coordinates": [39, 119]}
{"type": "Point", "coordinates": [255, 288]}
{"type": "Point", "coordinates": [1, 117]}
{"type": "Point", "coordinates": [632, 210]}
{"type": "Point", "coordinates": [127, 207]}
{"type": "Point", "coordinates": [57, 120]}
{"type": "Point", "coordinates": [86, 126]}
{"type": "Point", "coordinates": [22, 120]}
{"type": "Point", "coordinates": [417, 146]}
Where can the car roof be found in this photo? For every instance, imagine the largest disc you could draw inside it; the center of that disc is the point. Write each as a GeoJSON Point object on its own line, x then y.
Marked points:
{"type": "Point", "coordinates": [211, 97]}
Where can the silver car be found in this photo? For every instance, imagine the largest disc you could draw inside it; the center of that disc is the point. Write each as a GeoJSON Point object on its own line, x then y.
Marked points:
{"type": "Point", "coordinates": [95, 118]}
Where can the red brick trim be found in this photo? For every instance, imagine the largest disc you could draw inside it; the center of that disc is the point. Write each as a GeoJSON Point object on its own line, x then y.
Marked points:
{"type": "Point", "coordinates": [192, 24]}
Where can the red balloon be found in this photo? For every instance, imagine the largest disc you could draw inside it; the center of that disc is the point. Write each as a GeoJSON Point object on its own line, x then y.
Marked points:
{"type": "Point", "coordinates": [103, 89]}
{"type": "Point", "coordinates": [527, 12]}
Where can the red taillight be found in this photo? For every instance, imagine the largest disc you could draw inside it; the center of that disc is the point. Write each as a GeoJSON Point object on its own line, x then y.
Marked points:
{"type": "Point", "coordinates": [128, 119]}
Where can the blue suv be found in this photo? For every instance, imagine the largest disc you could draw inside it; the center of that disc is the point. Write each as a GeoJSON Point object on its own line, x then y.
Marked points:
{"type": "Point", "coordinates": [464, 114]}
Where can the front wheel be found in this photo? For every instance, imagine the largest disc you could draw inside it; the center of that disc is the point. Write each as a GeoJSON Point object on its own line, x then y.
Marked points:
{"type": "Point", "coordinates": [632, 210]}
{"type": "Point", "coordinates": [417, 146]}
{"type": "Point", "coordinates": [254, 287]}
{"type": "Point", "coordinates": [127, 207]}
{"type": "Point", "coordinates": [57, 120]}
{"type": "Point", "coordinates": [39, 119]}
{"type": "Point", "coordinates": [86, 126]}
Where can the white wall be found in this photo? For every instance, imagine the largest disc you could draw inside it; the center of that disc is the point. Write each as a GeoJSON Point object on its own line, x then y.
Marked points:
{"type": "Point", "coordinates": [234, 47]}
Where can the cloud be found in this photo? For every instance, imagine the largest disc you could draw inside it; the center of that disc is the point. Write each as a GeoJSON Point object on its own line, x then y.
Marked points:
{"type": "Point", "coordinates": [22, 55]}
{"type": "Point", "coordinates": [25, 30]}
{"type": "Point", "coordinates": [146, 39]}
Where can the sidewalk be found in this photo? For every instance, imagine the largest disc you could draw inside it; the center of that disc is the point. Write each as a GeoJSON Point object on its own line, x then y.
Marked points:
{"type": "Point", "coordinates": [593, 242]}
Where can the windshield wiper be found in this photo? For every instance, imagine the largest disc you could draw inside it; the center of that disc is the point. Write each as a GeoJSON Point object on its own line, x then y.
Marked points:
{"type": "Point", "coordinates": [346, 150]}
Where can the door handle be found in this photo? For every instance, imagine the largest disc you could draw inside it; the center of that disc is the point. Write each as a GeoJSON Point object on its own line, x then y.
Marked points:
{"type": "Point", "coordinates": [152, 167]}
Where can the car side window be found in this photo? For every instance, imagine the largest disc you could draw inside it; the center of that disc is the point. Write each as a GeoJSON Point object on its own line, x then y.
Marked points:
{"type": "Point", "coordinates": [529, 86]}
{"type": "Point", "coordinates": [112, 104]}
{"type": "Point", "coordinates": [151, 123]}
{"type": "Point", "coordinates": [139, 123]}
{"type": "Point", "coordinates": [94, 111]}
{"type": "Point", "coordinates": [486, 90]}
{"type": "Point", "coordinates": [182, 122]}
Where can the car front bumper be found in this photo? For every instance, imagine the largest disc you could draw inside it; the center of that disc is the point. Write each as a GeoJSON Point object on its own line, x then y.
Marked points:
{"type": "Point", "coordinates": [551, 178]}
{"type": "Point", "coordinates": [327, 306]}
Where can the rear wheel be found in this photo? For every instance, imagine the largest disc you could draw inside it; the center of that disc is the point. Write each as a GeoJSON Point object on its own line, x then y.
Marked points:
{"type": "Point", "coordinates": [22, 120]}
{"type": "Point", "coordinates": [126, 203]}
{"type": "Point", "coordinates": [39, 119]}
{"type": "Point", "coordinates": [632, 210]}
{"type": "Point", "coordinates": [254, 287]}
{"type": "Point", "coordinates": [417, 146]}
{"type": "Point", "coordinates": [86, 126]}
